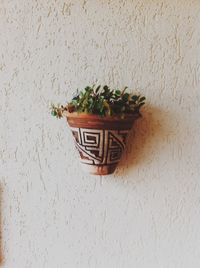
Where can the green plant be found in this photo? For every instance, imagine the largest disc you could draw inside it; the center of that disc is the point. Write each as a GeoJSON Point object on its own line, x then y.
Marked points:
{"type": "Point", "coordinates": [102, 101]}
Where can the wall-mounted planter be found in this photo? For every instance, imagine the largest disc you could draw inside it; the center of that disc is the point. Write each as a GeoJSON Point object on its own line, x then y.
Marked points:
{"type": "Point", "coordinates": [100, 119]}
{"type": "Point", "coordinates": [100, 140]}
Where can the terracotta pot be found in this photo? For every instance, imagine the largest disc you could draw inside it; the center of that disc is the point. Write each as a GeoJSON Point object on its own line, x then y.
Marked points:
{"type": "Point", "coordinates": [100, 140]}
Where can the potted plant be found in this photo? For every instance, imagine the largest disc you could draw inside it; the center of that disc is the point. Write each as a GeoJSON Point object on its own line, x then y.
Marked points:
{"type": "Point", "coordinates": [100, 119]}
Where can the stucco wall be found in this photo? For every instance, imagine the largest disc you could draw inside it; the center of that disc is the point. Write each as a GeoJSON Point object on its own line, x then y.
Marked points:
{"type": "Point", "coordinates": [146, 215]}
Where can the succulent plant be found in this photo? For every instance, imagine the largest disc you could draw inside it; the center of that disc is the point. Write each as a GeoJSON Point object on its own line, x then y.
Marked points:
{"type": "Point", "coordinates": [103, 101]}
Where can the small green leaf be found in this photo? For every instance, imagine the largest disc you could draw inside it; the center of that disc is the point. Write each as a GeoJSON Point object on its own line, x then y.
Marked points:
{"type": "Point", "coordinates": [53, 113]}
{"type": "Point", "coordinates": [142, 99]}
{"type": "Point", "coordinates": [117, 92]}
{"type": "Point", "coordinates": [87, 89]}
{"type": "Point", "coordinates": [135, 97]}
{"type": "Point", "coordinates": [125, 97]}
{"type": "Point", "coordinates": [97, 89]}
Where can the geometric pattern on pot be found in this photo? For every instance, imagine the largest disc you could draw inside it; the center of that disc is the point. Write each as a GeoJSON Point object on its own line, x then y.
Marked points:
{"type": "Point", "coordinates": [100, 146]}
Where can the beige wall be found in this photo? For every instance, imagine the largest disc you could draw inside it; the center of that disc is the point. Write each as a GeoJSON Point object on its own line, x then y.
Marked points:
{"type": "Point", "coordinates": [146, 215]}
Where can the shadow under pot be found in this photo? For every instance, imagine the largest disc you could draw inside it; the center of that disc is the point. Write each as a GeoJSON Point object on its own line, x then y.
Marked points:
{"type": "Point", "coordinates": [100, 140]}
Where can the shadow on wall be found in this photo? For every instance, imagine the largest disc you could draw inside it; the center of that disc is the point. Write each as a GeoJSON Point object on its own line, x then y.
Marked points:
{"type": "Point", "coordinates": [147, 136]}
{"type": "Point", "coordinates": [1, 237]}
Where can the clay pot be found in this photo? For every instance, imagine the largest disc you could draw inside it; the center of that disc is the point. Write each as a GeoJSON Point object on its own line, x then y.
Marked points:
{"type": "Point", "coordinates": [100, 140]}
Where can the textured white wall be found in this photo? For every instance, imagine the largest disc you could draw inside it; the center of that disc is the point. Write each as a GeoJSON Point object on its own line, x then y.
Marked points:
{"type": "Point", "coordinates": [147, 214]}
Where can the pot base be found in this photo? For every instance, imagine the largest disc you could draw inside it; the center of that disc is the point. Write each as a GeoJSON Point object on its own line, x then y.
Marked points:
{"type": "Point", "coordinates": [99, 169]}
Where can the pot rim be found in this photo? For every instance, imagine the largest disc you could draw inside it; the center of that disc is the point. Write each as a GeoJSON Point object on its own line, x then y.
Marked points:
{"type": "Point", "coordinates": [107, 117]}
